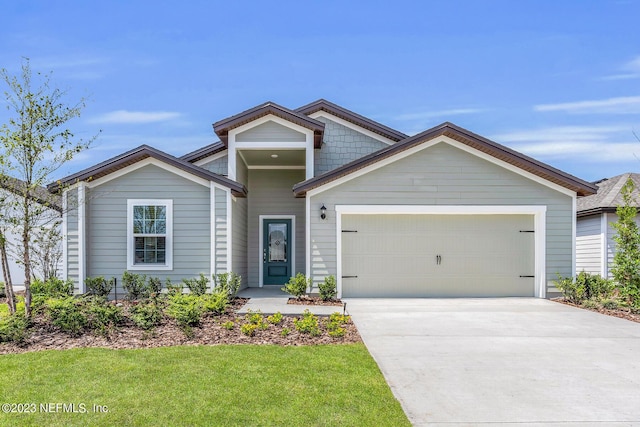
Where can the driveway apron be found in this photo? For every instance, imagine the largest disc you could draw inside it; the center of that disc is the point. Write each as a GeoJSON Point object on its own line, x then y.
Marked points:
{"type": "Point", "coordinates": [508, 361]}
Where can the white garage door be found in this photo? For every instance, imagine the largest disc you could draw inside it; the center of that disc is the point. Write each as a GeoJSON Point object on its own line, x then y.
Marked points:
{"type": "Point", "coordinates": [437, 255]}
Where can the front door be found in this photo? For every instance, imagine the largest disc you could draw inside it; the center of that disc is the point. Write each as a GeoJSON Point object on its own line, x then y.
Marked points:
{"type": "Point", "coordinates": [276, 256]}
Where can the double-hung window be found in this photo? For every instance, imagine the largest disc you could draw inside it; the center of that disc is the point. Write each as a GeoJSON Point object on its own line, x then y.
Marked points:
{"type": "Point", "coordinates": [149, 234]}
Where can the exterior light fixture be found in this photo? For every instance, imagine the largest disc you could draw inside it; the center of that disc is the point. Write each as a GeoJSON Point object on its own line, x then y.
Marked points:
{"type": "Point", "coordinates": [274, 156]}
{"type": "Point", "coordinates": [323, 212]}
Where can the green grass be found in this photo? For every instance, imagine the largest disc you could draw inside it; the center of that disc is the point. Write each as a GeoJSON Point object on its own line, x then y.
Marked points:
{"type": "Point", "coordinates": [243, 385]}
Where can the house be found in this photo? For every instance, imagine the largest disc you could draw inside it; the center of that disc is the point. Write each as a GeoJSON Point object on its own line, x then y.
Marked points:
{"type": "Point", "coordinates": [325, 191]}
{"type": "Point", "coordinates": [595, 246]}
{"type": "Point", "coordinates": [50, 213]}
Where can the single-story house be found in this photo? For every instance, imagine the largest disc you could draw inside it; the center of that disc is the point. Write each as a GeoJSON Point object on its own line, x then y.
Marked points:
{"type": "Point", "coordinates": [325, 191]}
{"type": "Point", "coordinates": [595, 247]}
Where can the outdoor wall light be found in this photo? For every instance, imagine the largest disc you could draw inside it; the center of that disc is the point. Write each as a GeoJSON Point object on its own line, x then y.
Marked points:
{"type": "Point", "coordinates": [323, 212]}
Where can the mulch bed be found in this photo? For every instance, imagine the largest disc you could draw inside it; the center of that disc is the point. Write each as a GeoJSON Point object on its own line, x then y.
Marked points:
{"type": "Point", "coordinates": [623, 313]}
{"type": "Point", "coordinates": [311, 300]}
{"type": "Point", "coordinates": [209, 332]}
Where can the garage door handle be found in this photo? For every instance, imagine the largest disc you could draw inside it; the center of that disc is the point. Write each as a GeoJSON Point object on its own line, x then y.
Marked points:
{"type": "Point", "coordinates": [527, 276]}
{"type": "Point", "coordinates": [349, 277]}
{"type": "Point", "coordinates": [438, 259]}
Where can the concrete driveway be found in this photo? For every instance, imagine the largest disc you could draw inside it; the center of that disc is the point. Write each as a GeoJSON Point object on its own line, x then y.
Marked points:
{"type": "Point", "coordinates": [505, 361]}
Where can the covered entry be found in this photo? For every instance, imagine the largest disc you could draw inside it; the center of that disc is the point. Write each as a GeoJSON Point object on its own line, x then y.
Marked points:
{"type": "Point", "coordinates": [438, 255]}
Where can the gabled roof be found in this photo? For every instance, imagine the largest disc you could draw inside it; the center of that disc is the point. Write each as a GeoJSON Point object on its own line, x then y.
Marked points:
{"type": "Point", "coordinates": [350, 116]}
{"type": "Point", "coordinates": [609, 195]}
{"type": "Point", "coordinates": [140, 153]}
{"type": "Point", "coordinates": [39, 194]}
{"type": "Point", "coordinates": [466, 137]}
{"type": "Point", "coordinates": [223, 126]}
{"type": "Point", "coordinates": [203, 152]}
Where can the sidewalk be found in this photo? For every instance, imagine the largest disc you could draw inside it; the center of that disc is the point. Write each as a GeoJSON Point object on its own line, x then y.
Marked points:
{"type": "Point", "coordinates": [270, 299]}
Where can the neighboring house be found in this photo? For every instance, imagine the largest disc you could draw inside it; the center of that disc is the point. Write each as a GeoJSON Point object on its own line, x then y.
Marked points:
{"type": "Point", "coordinates": [324, 191]}
{"type": "Point", "coordinates": [595, 246]}
{"type": "Point", "coordinates": [10, 188]}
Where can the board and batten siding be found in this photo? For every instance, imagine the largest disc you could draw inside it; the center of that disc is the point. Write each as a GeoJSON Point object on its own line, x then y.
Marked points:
{"type": "Point", "coordinates": [107, 224]}
{"type": "Point", "coordinates": [270, 132]}
{"type": "Point", "coordinates": [443, 175]}
{"type": "Point", "coordinates": [589, 245]}
{"type": "Point", "coordinates": [270, 193]}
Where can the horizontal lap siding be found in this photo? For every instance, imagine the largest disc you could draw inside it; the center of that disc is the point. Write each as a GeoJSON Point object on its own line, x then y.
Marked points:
{"type": "Point", "coordinates": [107, 223]}
{"type": "Point", "coordinates": [443, 175]}
{"type": "Point", "coordinates": [72, 261]}
{"type": "Point", "coordinates": [218, 166]}
{"type": "Point", "coordinates": [589, 245]}
{"type": "Point", "coordinates": [270, 132]}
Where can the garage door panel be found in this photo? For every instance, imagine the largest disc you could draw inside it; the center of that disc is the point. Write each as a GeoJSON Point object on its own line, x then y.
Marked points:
{"type": "Point", "coordinates": [438, 255]}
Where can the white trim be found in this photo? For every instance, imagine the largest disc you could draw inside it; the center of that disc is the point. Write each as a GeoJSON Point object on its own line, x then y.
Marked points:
{"type": "Point", "coordinates": [352, 126]}
{"type": "Point", "coordinates": [229, 233]}
{"type": "Point", "coordinates": [270, 145]}
{"type": "Point", "coordinates": [538, 212]}
{"type": "Point", "coordinates": [270, 118]}
{"type": "Point", "coordinates": [261, 244]}
{"type": "Point", "coordinates": [574, 234]}
{"type": "Point", "coordinates": [431, 143]}
{"type": "Point", "coordinates": [65, 239]}
{"type": "Point", "coordinates": [604, 241]}
{"type": "Point", "coordinates": [307, 236]}
{"type": "Point", "coordinates": [211, 158]}
{"type": "Point", "coordinates": [146, 162]}
{"type": "Point", "coordinates": [276, 167]}
{"type": "Point", "coordinates": [82, 244]}
{"type": "Point", "coordinates": [168, 265]}
{"type": "Point", "coordinates": [212, 231]}
{"type": "Point", "coordinates": [309, 156]}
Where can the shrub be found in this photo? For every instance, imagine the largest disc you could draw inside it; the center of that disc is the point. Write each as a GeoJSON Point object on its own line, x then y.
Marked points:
{"type": "Point", "coordinates": [146, 316]}
{"type": "Point", "coordinates": [328, 290]}
{"type": "Point", "coordinates": [595, 287]}
{"type": "Point", "coordinates": [249, 329]}
{"type": "Point", "coordinates": [173, 289]}
{"type": "Point", "coordinates": [228, 282]}
{"type": "Point", "coordinates": [187, 310]}
{"type": "Point", "coordinates": [53, 287]}
{"type": "Point", "coordinates": [572, 290]}
{"type": "Point", "coordinates": [135, 285]}
{"type": "Point", "coordinates": [275, 318]}
{"type": "Point", "coordinates": [13, 328]}
{"type": "Point", "coordinates": [610, 304]}
{"type": "Point", "coordinates": [335, 325]}
{"type": "Point", "coordinates": [285, 331]}
{"type": "Point", "coordinates": [3, 293]}
{"type": "Point", "coordinates": [197, 286]}
{"type": "Point", "coordinates": [99, 286]}
{"type": "Point", "coordinates": [103, 317]}
{"type": "Point", "coordinates": [297, 286]}
{"type": "Point", "coordinates": [154, 285]}
{"type": "Point", "coordinates": [216, 303]}
{"type": "Point", "coordinates": [308, 324]}
{"type": "Point", "coordinates": [591, 304]}
{"type": "Point", "coordinates": [67, 315]}
{"type": "Point", "coordinates": [228, 325]}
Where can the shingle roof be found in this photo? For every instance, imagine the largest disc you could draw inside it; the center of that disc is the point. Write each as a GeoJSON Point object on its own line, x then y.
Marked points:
{"type": "Point", "coordinates": [609, 195]}
{"type": "Point", "coordinates": [39, 194]}
{"type": "Point", "coordinates": [203, 152]}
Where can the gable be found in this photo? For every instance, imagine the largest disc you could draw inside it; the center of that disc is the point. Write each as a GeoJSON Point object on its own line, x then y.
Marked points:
{"type": "Point", "coordinates": [270, 131]}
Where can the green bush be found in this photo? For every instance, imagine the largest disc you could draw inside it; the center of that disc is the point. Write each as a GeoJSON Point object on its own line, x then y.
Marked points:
{"type": "Point", "coordinates": [67, 314]}
{"type": "Point", "coordinates": [328, 290]}
{"type": "Point", "coordinates": [173, 289]}
{"type": "Point", "coordinates": [53, 287]}
{"type": "Point", "coordinates": [228, 325]}
{"type": "Point", "coordinates": [228, 282]}
{"type": "Point", "coordinates": [135, 285]}
{"type": "Point", "coordinates": [297, 286]}
{"type": "Point", "coordinates": [99, 286]}
{"type": "Point", "coordinates": [285, 331]}
{"type": "Point", "coordinates": [154, 285]}
{"type": "Point", "coordinates": [335, 325]}
{"type": "Point", "coordinates": [572, 291]}
{"type": "Point", "coordinates": [3, 292]}
{"type": "Point", "coordinates": [103, 317]}
{"type": "Point", "coordinates": [147, 315]}
{"type": "Point", "coordinates": [595, 287]}
{"type": "Point", "coordinates": [216, 302]}
{"type": "Point", "coordinates": [308, 324]}
{"type": "Point", "coordinates": [14, 328]}
{"type": "Point", "coordinates": [197, 286]}
{"type": "Point", "coordinates": [610, 304]}
{"type": "Point", "coordinates": [249, 329]}
{"type": "Point", "coordinates": [275, 318]}
{"type": "Point", "coordinates": [186, 309]}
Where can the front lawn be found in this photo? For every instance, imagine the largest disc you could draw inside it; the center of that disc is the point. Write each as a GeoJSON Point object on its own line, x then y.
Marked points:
{"type": "Point", "coordinates": [245, 385]}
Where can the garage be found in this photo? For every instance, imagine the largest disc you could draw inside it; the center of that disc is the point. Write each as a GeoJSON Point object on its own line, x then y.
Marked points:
{"type": "Point", "coordinates": [437, 255]}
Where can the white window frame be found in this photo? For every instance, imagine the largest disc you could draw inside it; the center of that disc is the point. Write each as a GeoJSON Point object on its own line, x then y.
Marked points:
{"type": "Point", "coordinates": [131, 265]}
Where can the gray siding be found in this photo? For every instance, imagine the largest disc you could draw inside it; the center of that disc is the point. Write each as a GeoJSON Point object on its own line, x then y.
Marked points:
{"type": "Point", "coordinates": [107, 229]}
{"type": "Point", "coordinates": [221, 232]}
{"type": "Point", "coordinates": [270, 132]}
{"type": "Point", "coordinates": [443, 175]}
{"type": "Point", "coordinates": [342, 145]}
{"type": "Point", "coordinates": [240, 242]}
{"type": "Point", "coordinates": [270, 193]}
{"type": "Point", "coordinates": [72, 261]}
{"type": "Point", "coordinates": [218, 166]}
{"type": "Point", "coordinates": [589, 245]}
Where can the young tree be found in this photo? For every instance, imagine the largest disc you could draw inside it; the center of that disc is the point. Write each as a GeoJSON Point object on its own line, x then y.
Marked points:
{"type": "Point", "coordinates": [36, 143]}
{"type": "Point", "coordinates": [626, 262]}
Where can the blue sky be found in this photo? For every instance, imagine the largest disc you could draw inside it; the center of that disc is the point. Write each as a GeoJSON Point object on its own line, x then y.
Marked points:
{"type": "Point", "coordinates": [557, 80]}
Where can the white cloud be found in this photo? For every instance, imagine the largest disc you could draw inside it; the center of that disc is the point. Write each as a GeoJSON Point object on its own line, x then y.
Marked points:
{"type": "Point", "coordinates": [630, 70]}
{"type": "Point", "coordinates": [439, 113]}
{"type": "Point", "coordinates": [136, 117]}
{"type": "Point", "coordinates": [620, 105]}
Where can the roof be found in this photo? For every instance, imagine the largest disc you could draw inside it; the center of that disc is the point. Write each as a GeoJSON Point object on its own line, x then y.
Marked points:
{"type": "Point", "coordinates": [222, 127]}
{"type": "Point", "coordinates": [466, 137]}
{"type": "Point", "coordinates": [140, 153]}
{"type": "Point", "coordinates": [609, 195]}
{"type": "Point", "coordinates": [204, 152]}
{"type": "Point", "coordinates": [39, 194]}
{"type": "Point", "coordinates": [350, 116]}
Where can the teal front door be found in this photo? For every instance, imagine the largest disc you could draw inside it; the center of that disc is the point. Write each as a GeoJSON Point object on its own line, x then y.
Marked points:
{"type": "Point", "coordinates": [276, 256]}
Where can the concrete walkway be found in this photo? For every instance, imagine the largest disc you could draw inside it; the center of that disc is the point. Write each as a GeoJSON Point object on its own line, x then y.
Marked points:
{"type": "Point", "coordinates": [504, 362]}
{"type": "Point", "coordinates": [270, 299]}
